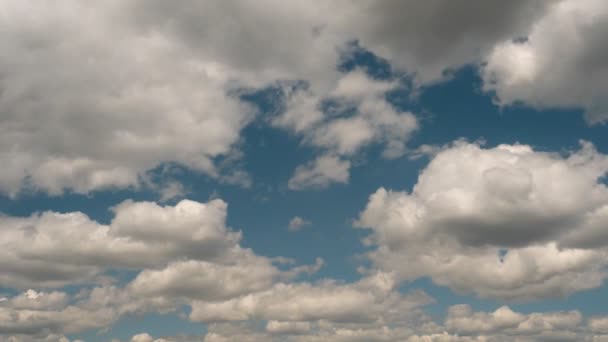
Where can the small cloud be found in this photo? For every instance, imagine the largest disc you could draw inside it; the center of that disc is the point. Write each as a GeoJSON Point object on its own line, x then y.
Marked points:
{"type": "Point", "coordinates": [320, 173]}
{"type": "Point", "coordinates": [171, 190]}
{"type": "Point", "coordinates": [297, 223]}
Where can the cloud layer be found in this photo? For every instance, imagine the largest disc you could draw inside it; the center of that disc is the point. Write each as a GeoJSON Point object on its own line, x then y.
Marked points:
{"type": "Point", "coordinates": [95, 95]}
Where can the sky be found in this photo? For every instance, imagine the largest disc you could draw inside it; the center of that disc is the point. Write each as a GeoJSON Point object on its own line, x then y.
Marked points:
{"type": "Point", "coordinates": [324, 171]}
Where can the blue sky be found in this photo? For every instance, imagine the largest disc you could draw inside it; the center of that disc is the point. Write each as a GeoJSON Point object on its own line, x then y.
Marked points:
{"type": "Point", "coordinates": [272, 171]}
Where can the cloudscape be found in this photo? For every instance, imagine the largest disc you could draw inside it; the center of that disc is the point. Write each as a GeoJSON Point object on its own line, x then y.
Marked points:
{"type": "Point", "coordinates": [323, 171]}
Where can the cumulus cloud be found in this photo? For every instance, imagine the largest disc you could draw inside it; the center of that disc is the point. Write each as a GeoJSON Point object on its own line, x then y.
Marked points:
{"type": "Point", "coordinates": [206, 280]}
{"type": "Point", "coordinates": [462, 320]}
{"type": "Point", "coordinates": [599, 324]}
{"type": "Point", "coordinates": [39, 320]}
{"type": "Point", "coordinates": [371, 301]}
{"type": "Point", "coordinates": [182, 254]}
{"type": "Point", "coordinates": [320, 173]}
{"type": "Point", "coordinates": [462, 324]}
{"type": "Point", "coordinates": [89, 102]}
{"type": "Point", "coordinates": [391, 317]}
{"type": "Point", "coordinates": [506, 222]}
{"type": "Point", "coordinates": [528, 70]}
{"type": "Point", "coordinates": [370, 120]}
{"type": "Point", "coordinates": [53, 249]}
{"type": "Point", "coordinates": [277, 327]}
{"type": "Point", "coordinates": [368, 300]}
{"type": "Point", "coordinates": [93, 96]}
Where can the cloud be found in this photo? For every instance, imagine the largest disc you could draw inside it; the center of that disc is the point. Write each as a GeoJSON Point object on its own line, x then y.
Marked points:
{"type": "Point", "coordinates": [206, 280]}
{"type": "Point", "coordinates": [282, 328]}
{"type": "Point", "coordinates": [52, 249]}
{"type": "Point", "coordinates": [461, 324]}
{"type": "Point", "coordinates": [181, 255]}
{"type": "Point", "coordinates": [144, 337]}
{"type": "Point", "coordinates": [369, 120]}
{"type": "Point", "coordinates": [297, 223]}
{"type": "Point", "coordinates": [428, 38]}
{"type": "Point", "coordinates": [368, 300]}
{"type": "Point", "coordinates": [320, 173]}
{"type": "Point", "coordinates": [39, 319]}
{"type": "Point", "coordinates": [171, 190]}
{"type": "Point", "coordinates": [94, 96]}
{"type": "Point", "coordinates": [506, 222]}
{"type": "Point", "coordinates": [88, 102]}
{"type": "Point", "coordinates": [527, 71]}
{"type": "Point", "coordinates": [462, 320]}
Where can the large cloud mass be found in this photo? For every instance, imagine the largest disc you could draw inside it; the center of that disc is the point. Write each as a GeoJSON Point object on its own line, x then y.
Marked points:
{"type": "Point", "coordinates": [96, 95]}
{"type": "Point", "coordinates": [560, 63]}
{"type": "Point", "coordinates": [92, 96]}
{"type": "Point", "coordinates": [505, 222]}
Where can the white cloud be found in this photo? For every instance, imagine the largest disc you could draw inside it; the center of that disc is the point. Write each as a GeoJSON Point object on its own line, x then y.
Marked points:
{"type": "Point", "coordinates": [599, 324]}
{"type": "Point", "coordinates": [206, 280]}
{"type": "Point", "coordinates": [462, 324]}
{"type": "Point", "coordinates": [39, 319]}
{"type": "Point", "coordinates": [368, 300]}
{"type": "Point", "coordinates": [529, 71]}
{"type": "Point", "coordinates": [96, 95]}
{"type": "Point", "coordinates": [53, 249]}
{"type": "Point", "coordinates": [504, 222]}
{"type": "Point", "coordinates": [505, 324]}
{"type": "Point", "coordinates": [277, 327]}
{"type": "Point", "coordinates": [320, 173]}
{"type": "Point", "coordinates": [89, 102]}
{"type": "Point", "coordinates": [171, 190]}
{"type": "Point", "coordinates": [183, 254]}
{"type": "Point", "coordinates": [93, 96]}
{"type": "Point", "coordinates": [374, 121]}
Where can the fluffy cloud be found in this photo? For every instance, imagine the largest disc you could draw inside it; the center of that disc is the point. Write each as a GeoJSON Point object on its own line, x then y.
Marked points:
{"type": "Point", "coordinates": [146, 338]}
{"type": "Point", "coordinates": [277, 327]}
{"type": "Point", "coordinates": [90, 102]}
{"type": "Point", "coordinates": [93, 96]}
{"type": "Point", "coordinates": [599, 324]}
{"type": "Point", "coordinates": [206, 280]}
{"type": "Point", "coordinates": [53, 249]}
{"type": "Point", "coordinates": [369, 303]}
{"type": "Point", "coordinates": [180, 255]}
{"type": "Point", "coordinates": [504, 222]}
{"type": "Point", "coordinates": [45, 316]}
{"type": "Point", "coordinates": [370, 119]}
{"type": "Point", "coordinates": [462, 324]}
{"type": "Point", "coordinates": [462, 320]}
{"type": "Point", "coordinates": [320, 173]}
{"type": "Point", "coordinates": [529, 71]}
{"type": "Point", "coordinates": [369, 300]}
